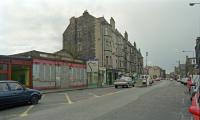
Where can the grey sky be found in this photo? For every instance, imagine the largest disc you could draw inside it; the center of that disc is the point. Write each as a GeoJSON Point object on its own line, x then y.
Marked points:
{"type": "Point", "coordinates": [162, 27]}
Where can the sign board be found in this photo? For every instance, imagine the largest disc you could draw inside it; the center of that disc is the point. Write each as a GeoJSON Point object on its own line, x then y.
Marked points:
{"type": "Point", "coordinates": [92, 66]}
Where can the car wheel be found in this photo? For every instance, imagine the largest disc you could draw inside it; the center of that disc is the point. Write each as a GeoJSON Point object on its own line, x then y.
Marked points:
{"type": "Point", "coordinates": [116, 86]}
{"type": "Point", "coordinates": [133, 85]}
{"type": "Point", "coordinates": [34, 100]}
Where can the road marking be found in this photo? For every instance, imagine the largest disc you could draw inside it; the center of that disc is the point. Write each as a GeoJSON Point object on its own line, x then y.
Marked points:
{"type": "Point", "coordinates": [183, 101]}
{"type": "Point", "coordinates": [111, 93]}
{"type": "Point", "coordinates": [191, 118]}
{"type": "Point", "coordinates": [43, 96]}
{"type": "Point", "coordinates": [68, 99]}
{"type": "Point", "coordinates": [24, 114]}
{"type": "Point", "coordinates": [181, 116]}
{"type": "Point", "coordinates": [94, 94]}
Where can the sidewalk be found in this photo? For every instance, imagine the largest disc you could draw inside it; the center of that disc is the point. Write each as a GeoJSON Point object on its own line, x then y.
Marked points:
{"type": "Point", "coordinates": [71, 89]}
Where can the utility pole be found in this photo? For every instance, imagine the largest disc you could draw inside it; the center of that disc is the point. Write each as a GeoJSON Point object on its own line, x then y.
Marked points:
{"type": "Point", "coordinates": [146, 62]}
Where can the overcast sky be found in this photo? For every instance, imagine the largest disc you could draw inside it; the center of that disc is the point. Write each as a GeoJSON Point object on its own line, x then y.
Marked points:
{"type": "Point", "coordinates": [162, 27]}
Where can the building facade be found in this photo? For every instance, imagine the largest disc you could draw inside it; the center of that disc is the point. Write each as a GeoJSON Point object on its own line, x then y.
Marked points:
{"type": "Point", "coordinates": [190, 66]}
{"type": "Point", "coordinates": [91, 38]}
{"type": "Point", "coordinates": [43, 70]}
{"type": "Point", "coordinates": [156, 72]}
{"type": "Point", "coordinates": [197, 51]}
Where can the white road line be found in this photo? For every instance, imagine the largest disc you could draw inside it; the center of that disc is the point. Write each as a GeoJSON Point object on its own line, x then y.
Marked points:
{"type": "Point", "coordinates": [191, 118]}
{"type": "Point", "coordinates": [43, 96]}
{"type": "Point", "coordinates": [68, 99]}
{"type": "Point", "coordinates": [181, 116]}
{"type": "Point", "coordinates": [183, 101]}
{"type": "Point", "coordinates": [24, 114]}
{"type": "Point", "coordinates": [94, 94]}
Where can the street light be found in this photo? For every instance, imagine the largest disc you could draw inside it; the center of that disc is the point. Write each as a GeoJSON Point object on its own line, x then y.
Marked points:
{"type": "Point", "coordinates": [192, 4]}
{"type": "Point", "coordinates": [189, 51]}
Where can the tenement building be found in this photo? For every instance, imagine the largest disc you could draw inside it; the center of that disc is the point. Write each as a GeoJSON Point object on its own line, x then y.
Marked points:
{"type": "Point", "coordinates": [197, 51]}
{"type": "Point", "coordinates": [91, 38]}
{"type": "Point", "coordinates": [88, 42]}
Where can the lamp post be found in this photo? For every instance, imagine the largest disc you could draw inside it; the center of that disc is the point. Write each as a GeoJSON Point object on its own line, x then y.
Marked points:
{"type": "Point", "coordinates": [192, 4]}
{"type": "Point", "coordinates": [146, 63]}
{"type": "Point", "coordinates": [190, 52]}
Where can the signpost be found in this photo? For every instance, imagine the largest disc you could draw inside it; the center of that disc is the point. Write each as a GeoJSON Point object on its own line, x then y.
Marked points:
{"type": "Point", "coordinates": [92, 68]}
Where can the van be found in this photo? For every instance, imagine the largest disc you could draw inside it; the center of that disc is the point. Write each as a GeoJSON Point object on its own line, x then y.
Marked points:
{"type": "Point", "coordinates": [146, 79]}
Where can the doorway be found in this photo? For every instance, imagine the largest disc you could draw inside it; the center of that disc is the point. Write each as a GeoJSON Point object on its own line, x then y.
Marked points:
{"type": "Point", "coordinates": [20, 73]}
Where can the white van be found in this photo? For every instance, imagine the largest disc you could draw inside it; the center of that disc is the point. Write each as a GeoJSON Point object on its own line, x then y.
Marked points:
{"type": "Point", "coordinates": [146, 79]}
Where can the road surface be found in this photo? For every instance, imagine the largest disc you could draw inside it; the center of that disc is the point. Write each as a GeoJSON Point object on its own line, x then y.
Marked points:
{"type": "Point", "coordinates": [165, 100]}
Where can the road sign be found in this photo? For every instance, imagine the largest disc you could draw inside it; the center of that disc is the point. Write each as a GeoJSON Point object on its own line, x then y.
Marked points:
{"type": "Point", "coordinates": [92, 66]}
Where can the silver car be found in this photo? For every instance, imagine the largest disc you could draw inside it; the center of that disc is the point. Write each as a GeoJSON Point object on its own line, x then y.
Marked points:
{"type": "Point", "coordinates": [124, 82]}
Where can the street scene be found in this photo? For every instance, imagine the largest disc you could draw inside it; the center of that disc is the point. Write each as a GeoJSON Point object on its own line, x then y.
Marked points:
{"type": "Point", "coordinates": [100, 60]}
{"type": "Point", "coordinates": [109, 104]}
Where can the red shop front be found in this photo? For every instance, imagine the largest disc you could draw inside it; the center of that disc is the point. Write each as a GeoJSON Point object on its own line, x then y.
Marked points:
{"type": "Point", "coordinates": [17, 69]}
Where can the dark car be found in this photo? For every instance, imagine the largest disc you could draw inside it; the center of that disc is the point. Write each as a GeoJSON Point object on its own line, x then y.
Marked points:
{"type": "Point", "coordinates": [12, 93]}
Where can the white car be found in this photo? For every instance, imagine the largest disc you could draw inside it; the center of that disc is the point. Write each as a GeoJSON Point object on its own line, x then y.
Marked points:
{"type": "Point", "coordinates": [124, 82]}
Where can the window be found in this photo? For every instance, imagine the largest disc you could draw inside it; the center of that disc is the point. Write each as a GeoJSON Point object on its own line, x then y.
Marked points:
{"type": "Point", "coordinates": [79, 47]}
{"type": "Point", "coordinates": [3, 87]}
{"type": "Point", "coordinates": [106, 60]}
{"type": "Point", "coordinates": [106, 31]}
{"type": "Point", "coordinates": [110, 60]}
{"type": "Point", "coordinates": [15, 86]}
{"type": "Point", "coordinates": [3, 67]}
{"type": "Point", "coordinates": [78, 34]}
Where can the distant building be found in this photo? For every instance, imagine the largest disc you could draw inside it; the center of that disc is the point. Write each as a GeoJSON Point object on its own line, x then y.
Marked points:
{"type": "Point", "coordinates": [182, 72]}
{"type": "Point", "coordinates": [190, 66]}
{"type": "Point", "coordinates": [155, 72]}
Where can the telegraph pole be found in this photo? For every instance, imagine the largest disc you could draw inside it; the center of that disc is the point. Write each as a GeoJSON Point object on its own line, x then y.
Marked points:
{"type": "Point", "coordinates": [146, 62]}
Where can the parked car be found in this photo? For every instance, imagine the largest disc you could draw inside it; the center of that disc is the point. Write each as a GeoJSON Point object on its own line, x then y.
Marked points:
{"type": "Point", "coordinates": [12, 93]}
{"type": "Point", "coordinates": [124, 82]}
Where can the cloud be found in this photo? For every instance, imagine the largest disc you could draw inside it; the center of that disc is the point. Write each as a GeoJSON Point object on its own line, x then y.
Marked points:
{"type": "Point", "coordinates": [157, 26]}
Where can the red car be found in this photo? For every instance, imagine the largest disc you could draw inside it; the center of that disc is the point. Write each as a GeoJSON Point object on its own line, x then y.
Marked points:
{"type": "Point", "coordinates": [195, 107]}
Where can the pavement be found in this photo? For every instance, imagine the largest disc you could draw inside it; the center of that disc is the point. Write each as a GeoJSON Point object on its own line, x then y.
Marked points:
{"type": "Point", "coordinates": [71, 89]}
{"type": "Point", "coordinates": [137, 84]}
{"type": "Point", "coordinates": [164, 100]}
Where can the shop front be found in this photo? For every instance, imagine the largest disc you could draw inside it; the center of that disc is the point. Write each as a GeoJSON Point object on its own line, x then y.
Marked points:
{"type": "Point", "coordinates": [17, 69]}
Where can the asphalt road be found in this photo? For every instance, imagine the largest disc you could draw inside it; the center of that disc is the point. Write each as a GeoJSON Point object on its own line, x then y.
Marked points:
{"type": "Point", "coordinates": [165, 100]}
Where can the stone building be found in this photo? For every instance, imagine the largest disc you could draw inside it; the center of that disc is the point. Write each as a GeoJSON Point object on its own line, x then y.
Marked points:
{"type": "Point", "coordinates": [190, 64]}
{"type": "Point", "coordinates": [91, 38]}
{"type": "Point", "coordinates": [156, 72]}
{"type": "Point", "coordinates": [197, 50]}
